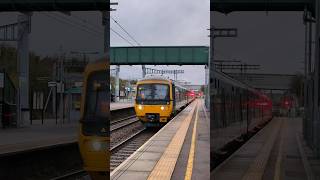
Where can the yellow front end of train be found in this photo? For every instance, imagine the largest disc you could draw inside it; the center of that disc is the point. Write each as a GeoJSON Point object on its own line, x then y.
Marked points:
{"type": "Point", "coordinates": [94, 135]}
{"type": "Point", "coordinates": [154, 113]}
{"type": "Point", "coordinates": [154, 103]}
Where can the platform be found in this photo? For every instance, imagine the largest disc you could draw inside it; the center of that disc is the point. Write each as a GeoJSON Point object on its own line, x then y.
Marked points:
{"type": "Point", "coordinates": [275, 152]}
{"type": "Point", "coordinates": [179, 149]}
{"type": "Point", "coordinates": [36, 136]}
{"type": "Point", "coordinates": [120, 105]}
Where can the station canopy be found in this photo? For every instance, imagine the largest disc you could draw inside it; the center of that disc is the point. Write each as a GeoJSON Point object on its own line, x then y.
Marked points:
{"type": "Point", "coordinates": [227, 6]}
{"type": "Point", "coordinates": [54, 5]}
{"type": "Point", "coordinates": [159, 55]}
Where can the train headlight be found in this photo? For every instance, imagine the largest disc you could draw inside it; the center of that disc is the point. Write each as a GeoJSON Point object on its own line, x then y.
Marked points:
{"type": "Point", "coordinates": [140, 107]}
{"type": "Point", "coordinates": [99, 146]}
{"type": "Point", "coordinates": [162, 108]}
{"type": "Point", "coordinates": [96, 146]}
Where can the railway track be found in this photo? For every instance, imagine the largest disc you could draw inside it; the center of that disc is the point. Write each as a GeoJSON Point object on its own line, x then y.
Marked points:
{"type": "Point", "coordinates": [126, 139]}
{"type": "Point", "coordinates": [118, 124]}
{"type": "Point", "coordinates": [115, 125]}
{"type": "Point", "coordinates": [127, 135]}
{"type": "Point", "coordinates": [76, 175]}
{"type": "Point", "coordinates": [121, 151]}
{"type": "Point", "coordinates": [35, 164]}
{"type": "Point", "coordinates": [112, 122]}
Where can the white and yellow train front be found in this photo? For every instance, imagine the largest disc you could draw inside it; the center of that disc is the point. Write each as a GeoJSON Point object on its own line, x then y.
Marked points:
{"type": "Point", "coordinates": [158, 99]}
{"type": "Point", "coordinates": [154, 101]}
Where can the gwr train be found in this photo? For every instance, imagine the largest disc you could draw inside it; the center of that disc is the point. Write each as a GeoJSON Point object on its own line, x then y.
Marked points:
{"type": "Point", "coordinates": [237, 109]}
{"type": "Point", "coordinates": [158, 99]}
{"type": "Point", "coordinates": [94, 135]}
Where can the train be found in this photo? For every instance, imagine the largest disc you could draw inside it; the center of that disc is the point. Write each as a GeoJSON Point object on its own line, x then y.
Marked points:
{"type": "Point", "coordinates": [158, 99]}
{"type": "Point", "coordinates": [287, 105]}
{"type": "Point", "coordinates": [237, 110]}
{"type": "Point", "coordinates": [94, 134]}
{"type": "Point", "coordinates": [196, 93]}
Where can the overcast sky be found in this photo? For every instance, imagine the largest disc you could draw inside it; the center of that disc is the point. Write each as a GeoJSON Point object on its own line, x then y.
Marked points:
{"type": "Point", "coordinates": [163, 23]}
{"type": "Point", "coordinates": [275, 40]}
{"type": "Point", "coordinates": [82, 31]}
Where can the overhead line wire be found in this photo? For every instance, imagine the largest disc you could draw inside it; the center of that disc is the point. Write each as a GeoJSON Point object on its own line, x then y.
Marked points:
{"type": "Point", "coordinates": [93, 25]}
{"type": "Point", "coordinates": [126, 31]}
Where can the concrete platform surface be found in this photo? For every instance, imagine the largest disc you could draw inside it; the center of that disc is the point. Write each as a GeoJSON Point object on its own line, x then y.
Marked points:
{"type": "Point", "coordinates": [163, 156]}
{"type": "Point", "coordinates": [37, 136]}
{"type": "Point", "coordinates": [40, 135]}
{"type": "Point", "coordinates": [275, 152]}
{"type": "Point", "coordinates": [120, 105]}
{"type": "Point", "coordinates": [201, 162]}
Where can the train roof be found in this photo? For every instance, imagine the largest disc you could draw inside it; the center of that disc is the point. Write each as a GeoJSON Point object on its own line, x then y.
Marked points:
{"type": "Point", "coordinates": [162, 78]}
{"type": "Point", "coordinates": [179, 85]}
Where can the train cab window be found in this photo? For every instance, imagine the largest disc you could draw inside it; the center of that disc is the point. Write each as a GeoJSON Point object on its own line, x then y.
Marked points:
{"type": "Point", "coordinates": [151, 93]}
{"type": "Point", "coordinates": [96, 103]}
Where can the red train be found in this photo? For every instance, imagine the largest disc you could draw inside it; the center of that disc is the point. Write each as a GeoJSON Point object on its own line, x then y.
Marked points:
{"type": "Point", "coordinates": [237, 110]}
{"type": "Point", "coordinates": [195, 94]}
{"type": "Point", "coordinates": [287, 103]}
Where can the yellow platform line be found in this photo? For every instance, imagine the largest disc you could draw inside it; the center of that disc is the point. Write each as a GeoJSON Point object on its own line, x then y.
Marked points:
{"type": "Point", "coordinates": [257, 168]}
{"type": "Point", "coordinates": [165, 166]}
{"type": "Point", "coordinates": [188, 175]}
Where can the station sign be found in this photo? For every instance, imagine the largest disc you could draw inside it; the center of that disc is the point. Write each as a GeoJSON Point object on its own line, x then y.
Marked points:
{"type": "Point", "coordinates": [59, 85]}
{"type": "Point", "coordinates": [52, 84]}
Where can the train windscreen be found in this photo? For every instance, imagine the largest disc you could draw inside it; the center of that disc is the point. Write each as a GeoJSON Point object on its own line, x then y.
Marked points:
{"type": "Point", "coordinates": [95, 121]}
{"type": "Point", "coordinates": [153, 93]}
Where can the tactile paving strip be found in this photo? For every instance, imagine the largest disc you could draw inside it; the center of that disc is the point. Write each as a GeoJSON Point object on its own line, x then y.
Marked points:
{"type": "Point", "coordinates": [165, 166]}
